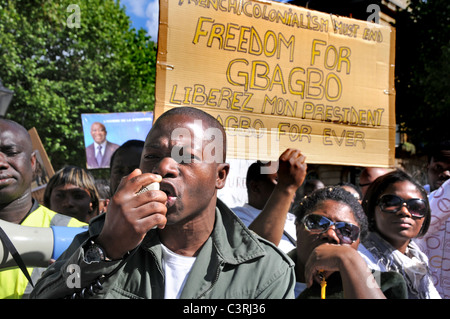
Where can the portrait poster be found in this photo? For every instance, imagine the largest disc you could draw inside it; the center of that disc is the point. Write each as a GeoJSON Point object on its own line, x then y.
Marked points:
{"type": "Point", "coordinates": [119, 128]}
{"type": "Point", "coordinates": [278, 75]}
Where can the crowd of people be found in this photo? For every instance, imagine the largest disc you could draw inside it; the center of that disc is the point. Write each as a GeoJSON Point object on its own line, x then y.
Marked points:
{"type": "Point", "coordinates": [181, 241]}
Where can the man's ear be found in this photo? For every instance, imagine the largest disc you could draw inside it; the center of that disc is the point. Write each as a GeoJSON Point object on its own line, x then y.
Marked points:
{"type": "Point", "coordinates": [222, 173]}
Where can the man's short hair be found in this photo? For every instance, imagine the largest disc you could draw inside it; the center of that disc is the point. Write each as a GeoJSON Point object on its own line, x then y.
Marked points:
{"type": "Point", "coordinates": [198, 114]}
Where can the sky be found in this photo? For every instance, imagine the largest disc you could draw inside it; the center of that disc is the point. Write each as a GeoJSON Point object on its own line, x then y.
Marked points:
{"type": "Point", "coordinates": [144, 14]}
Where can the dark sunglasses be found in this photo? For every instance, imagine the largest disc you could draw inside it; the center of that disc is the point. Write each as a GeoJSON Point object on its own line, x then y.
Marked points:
{"type": "Point", "coordinates": [317, 224]}
{"type": "Point", "coordinates": [392, 204]}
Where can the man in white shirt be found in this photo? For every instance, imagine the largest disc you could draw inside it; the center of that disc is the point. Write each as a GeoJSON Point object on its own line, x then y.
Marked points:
{"type": "Point", "coordinates": [261, 183]}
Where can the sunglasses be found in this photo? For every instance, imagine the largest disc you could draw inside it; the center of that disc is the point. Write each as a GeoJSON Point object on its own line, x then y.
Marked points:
{"type": "Point", "coordinates": [317, 224]}
{"type": "Point", "coordinates": [393, 203]}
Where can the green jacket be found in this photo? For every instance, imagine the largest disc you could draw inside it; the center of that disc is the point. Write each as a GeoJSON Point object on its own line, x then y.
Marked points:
{"type": "Point", "coordinates": [233, 263]}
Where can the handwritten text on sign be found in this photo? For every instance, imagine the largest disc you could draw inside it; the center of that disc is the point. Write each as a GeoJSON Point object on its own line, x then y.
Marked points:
{"type": "Point", "coordinates": [280, 76]}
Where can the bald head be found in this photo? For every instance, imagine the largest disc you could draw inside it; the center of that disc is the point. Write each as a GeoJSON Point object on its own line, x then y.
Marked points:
{"type": "Point", "coordinates": [17, 162]}
{"type": "Point", "coordinates": [16, 129]}
{"type": "Point", "coordinates": [213, 131]}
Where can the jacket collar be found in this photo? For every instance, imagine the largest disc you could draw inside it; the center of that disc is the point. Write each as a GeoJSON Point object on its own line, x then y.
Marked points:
{"type": "Point", "coordinates": [233, 242]}
{"type": "Point", "coordinates": [230, 243]}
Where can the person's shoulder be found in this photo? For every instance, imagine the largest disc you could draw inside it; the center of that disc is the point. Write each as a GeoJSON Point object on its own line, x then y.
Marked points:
{"type": "Point", "coordinates": [246, 213]}
{"type": "Point", "coordinates": [251, 242]}
{"type": "Point", "coordinates": [273, 252]}
{"type": "Point", "coordinates": [392, 284]}
{"type": "Point", "coordinates": [112, 145]}
{"type": "Point", "coordinates": [57, 219]}
{"type": "Point", "coordinates": [45, 217]}
{"type": "Point", "coordinates": [274, 271]}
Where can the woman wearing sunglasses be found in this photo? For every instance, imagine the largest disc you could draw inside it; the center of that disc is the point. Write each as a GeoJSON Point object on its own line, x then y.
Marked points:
{"type": "Point", "coordinates": [330, 224]}
{"type": "Point", "coordinates": [398, 210]}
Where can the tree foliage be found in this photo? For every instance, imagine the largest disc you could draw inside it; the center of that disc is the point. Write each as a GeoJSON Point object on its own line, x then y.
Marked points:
{"type": "Point", "coordinates": [59, 71]}
{"type": "Point", "coordinates": [423, 70]}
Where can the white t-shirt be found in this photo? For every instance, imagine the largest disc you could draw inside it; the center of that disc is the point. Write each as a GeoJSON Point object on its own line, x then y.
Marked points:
{"type": "Point", "coordinates": [176, 270]}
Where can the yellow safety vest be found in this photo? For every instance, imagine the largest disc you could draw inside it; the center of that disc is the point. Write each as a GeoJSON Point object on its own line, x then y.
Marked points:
{"type": "Point", "coordinates": [13, 283]}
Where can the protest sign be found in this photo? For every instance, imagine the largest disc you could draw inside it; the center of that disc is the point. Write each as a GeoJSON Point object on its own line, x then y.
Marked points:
{"type": "Point", "coordinates": [43, 170]}
{"type": "Point", "coordinates": [277, 76]}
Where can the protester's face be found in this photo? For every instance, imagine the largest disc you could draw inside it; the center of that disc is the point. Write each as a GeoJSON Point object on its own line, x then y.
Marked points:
{"type": "Point", "coordinates": [401, 226]}
{"type": "Point", "coordinates": [438, 173]}
{"type": "Point", "coordinates": [265, 187]}
{"type": "Point", "coordinates": [71, 200]}
{"type": "Point", "coordinates": [17, 162]}
{"type": "Point", "coordinates": [334, 211]}
{"type": "Point", "coordinates": [98, 133]}
{"type": "Point", "coordinates": [124, 163]}
{"type": "Point", "coordinates": [370, 174]}
{"type": "Point", "coordinates": [190, 185]}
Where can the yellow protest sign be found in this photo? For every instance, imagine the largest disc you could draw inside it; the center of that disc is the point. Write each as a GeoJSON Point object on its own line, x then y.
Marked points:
{"type": "Point", "coordinates": [277, 76]}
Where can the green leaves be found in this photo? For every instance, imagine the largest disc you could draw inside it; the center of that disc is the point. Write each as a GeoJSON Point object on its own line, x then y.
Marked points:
{"type": "Point", "coordinates": [58, 72]}
{"type": "Point", "coordinates": [422, 69]}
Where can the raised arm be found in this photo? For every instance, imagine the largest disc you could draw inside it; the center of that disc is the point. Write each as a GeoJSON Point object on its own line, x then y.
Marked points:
{"type": "Point", "coordinates": [291, 173]}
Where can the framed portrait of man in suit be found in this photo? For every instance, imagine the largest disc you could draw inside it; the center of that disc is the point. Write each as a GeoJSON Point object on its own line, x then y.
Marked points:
{"type": "Point", "coordinates": [105, 132]}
